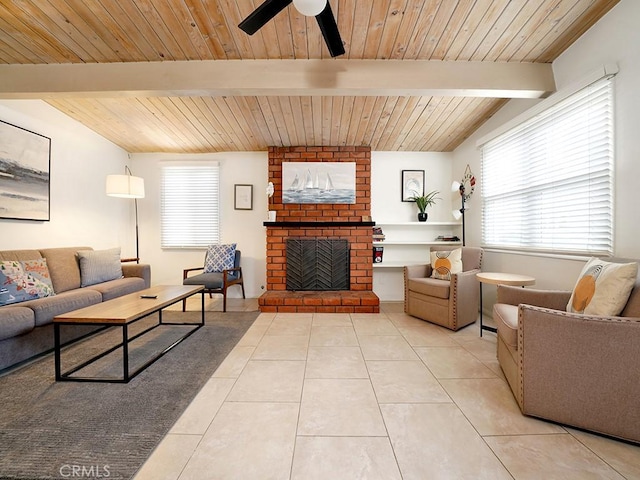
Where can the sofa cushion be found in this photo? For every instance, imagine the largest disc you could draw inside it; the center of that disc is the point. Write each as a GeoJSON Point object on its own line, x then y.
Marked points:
{"type": "Point", "coordinates": [97, 266]}
{"type": "Point", "coordinates": [47, 308]}
{"type": "Point", "coordinates": [430, 286]}
{"type": "Point", "coordinates": [219, 258]}
{"type": "Point", "coordinates": [63, 267]}
{"type": "Point", "coordinates": [117, 288]}
{"type": "Point", "coordinates": [603, 288]}
{"type": "Point", "coordinates": [506, 318]}
{"type": "Point", "coordinates": [19, 255]}
{"type": "Point", "coordinates": [23, 280]}
{"type": "Point", "coordinates": [446, 262]}
{"type": "Point", "coordinates": [15, 321]}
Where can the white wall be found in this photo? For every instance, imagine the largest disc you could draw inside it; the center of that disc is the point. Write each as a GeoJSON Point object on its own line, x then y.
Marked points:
{"type": "Point", "coordinates": [81, 213]}
{"type": "Point", "coordinates": [243, 227]}
{"type": "Point", "coordinates": [386, 171]}
{"type": "Point", "coordinates": [614, 39]}
{"type": "Point", "coordinates": [387, 207]}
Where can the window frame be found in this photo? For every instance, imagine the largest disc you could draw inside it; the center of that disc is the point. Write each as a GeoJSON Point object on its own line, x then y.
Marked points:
{"type": "Point", "coordinates": [190, 226]}
{"type": "Point", "coordinates": [499, 202]}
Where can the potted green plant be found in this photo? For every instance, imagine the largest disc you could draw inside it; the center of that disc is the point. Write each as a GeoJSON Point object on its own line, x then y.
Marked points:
{"type": "Point", "coordinates": [424, 201]}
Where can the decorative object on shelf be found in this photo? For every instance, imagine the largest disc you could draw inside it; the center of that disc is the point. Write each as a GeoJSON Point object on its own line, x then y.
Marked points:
{"type": "Point", "coordinates": [447, 238]}
{"type": "Point", "coordinates": [271, 214]}
{"type": "Point", "coordinates": [412, 184]}
{"type": "Point", "coordinates": [465, 188]}
{"type": "Point", "coordinates": [378, 235]}
{"type": "Point", "coordinates": [424, 201]}
{"type": "Point", "coordinates": [242, 197]}
{"type": "Point", "coordinates": [24, 173]}
{"type": "Point", "coordinates": [127, 186]}
{"type": "Point", "coordinates": [377, 254]}
{"type": "Point", "coordinates": [319, 182]}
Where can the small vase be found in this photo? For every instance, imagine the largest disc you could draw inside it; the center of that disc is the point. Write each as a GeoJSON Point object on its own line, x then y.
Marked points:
{"type": "Point", "coordinates": [422, 216]}
{"type": "Point", "coordinates": [272, 215]}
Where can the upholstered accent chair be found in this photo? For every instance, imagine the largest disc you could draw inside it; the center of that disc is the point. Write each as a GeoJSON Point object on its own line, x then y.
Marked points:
{"type": "Point", "coordinates": [216, 282]}
{"type": "Point", "coordinates": [572, 368]}
{"type": "Point", "coordinates": [450, 303]}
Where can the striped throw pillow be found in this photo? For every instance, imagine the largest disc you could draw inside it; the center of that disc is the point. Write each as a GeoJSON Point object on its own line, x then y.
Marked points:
{"type": "Point", "coordinates": [97, 266]}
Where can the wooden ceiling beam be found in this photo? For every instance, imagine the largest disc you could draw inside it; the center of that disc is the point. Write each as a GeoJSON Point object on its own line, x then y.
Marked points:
{"type": "Point", "coordinates": [278, 78]}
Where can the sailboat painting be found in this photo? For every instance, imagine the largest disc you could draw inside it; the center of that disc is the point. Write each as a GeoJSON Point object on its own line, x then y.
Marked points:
{"type": "Point", "coordinates": [319, 182]}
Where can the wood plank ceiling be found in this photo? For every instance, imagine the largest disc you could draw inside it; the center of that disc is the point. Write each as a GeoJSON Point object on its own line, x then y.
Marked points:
{"type": "Point", "coordinates": [107, 31]}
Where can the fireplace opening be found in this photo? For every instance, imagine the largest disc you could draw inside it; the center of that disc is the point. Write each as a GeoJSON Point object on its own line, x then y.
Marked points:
{"type": "Point", "coordinates": [317, 264]}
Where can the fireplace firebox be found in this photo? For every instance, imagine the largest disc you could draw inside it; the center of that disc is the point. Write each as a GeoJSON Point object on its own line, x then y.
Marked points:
{"type": "Point", "coordinates": [317, 264]}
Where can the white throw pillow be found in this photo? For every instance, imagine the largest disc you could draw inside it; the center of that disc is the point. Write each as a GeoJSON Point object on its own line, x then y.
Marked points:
{"type": "Point", "coordinates": [97, 266]}
{"type": "Point", "coordinates": [603, 288]}
{"type": "Point", "coordinates": [445, 262]}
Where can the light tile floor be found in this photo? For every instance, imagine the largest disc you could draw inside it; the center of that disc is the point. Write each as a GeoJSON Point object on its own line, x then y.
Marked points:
{"type": "Point", "coordinates": [361, 396]}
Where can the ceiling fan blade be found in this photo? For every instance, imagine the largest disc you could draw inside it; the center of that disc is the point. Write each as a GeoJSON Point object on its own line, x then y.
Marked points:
{"type": "Point", "coordinates": [329, 29]}
{"type": "Point", "coordinates": [261, 15]}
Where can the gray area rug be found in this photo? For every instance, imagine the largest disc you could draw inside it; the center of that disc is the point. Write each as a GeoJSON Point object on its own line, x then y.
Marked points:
{"type": "Point", "coordinates": [62, 430]}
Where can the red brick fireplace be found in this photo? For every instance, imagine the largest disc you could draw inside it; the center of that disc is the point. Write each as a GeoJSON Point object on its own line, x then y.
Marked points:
{"type": "Point", "coordinates": [345, 221]}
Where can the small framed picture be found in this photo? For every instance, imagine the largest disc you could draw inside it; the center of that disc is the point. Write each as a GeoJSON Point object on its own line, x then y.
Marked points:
{"type": "Point", "coordinates": [412, 184]}
{"type": "Point", "coordinates": [243, 197]}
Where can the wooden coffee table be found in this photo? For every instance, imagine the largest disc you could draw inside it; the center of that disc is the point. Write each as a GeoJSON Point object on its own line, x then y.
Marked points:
{"type": "Point", "coordinates": [123, 312]}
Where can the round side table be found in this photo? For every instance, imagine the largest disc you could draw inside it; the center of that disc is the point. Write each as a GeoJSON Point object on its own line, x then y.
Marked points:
{"type": "Point", "coordinates": [496, 278]}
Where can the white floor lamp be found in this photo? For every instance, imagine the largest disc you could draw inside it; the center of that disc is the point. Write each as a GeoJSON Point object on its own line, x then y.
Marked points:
{"type": "Point", "coordinates": [127, 186]}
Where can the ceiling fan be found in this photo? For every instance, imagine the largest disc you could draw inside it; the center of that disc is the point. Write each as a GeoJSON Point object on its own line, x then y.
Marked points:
{"type": "Point", "coordinates": [321, 9]}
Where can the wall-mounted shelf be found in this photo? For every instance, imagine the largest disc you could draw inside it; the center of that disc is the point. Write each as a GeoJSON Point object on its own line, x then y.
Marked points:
{"type": "Point", "coordinates": [396, 264]}
{"type": "Point", "coordinates": [420, 224]}
{"type": "Point", "coordinates": [409, 243]}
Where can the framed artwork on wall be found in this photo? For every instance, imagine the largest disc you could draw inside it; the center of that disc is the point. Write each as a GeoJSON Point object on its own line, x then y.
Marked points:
{"type": "Point", "coordinates": [242, 197]}
{"type": "Point", "coordinates": [412, 184]}
{"type": "Point", "coordinates": [25, 164]}
{"type": "Point", "coordinates": [319, 182]}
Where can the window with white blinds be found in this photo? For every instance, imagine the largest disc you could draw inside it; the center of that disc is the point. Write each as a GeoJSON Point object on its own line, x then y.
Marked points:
{"type": "Point", "coordinates": [190, 205]}
{"type": "Point", "coordinates": [547, 184]}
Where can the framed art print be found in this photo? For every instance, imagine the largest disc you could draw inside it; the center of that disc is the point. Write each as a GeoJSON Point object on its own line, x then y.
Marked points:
{"type": "Point", "coordinates": [319, 182]}
{"type": "Point", "coordinates": [25, 161]}
{"type": "Point", "coordinates": [412, 184]}
{"type": "Point", "coordinates": [243, 197]}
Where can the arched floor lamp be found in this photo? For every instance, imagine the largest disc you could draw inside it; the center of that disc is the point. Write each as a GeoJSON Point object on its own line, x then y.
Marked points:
{"type": "Point", "coordinates": [127, 186]}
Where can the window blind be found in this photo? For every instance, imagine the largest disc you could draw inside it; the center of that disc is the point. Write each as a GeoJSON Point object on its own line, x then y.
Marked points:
{"type": "Point", "coordinates": [547, 184]}
{"type": "Point", "coordinates": [190, 210]}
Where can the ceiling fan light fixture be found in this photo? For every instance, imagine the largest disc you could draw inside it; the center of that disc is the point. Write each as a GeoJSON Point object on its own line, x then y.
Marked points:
{"type": "Point", "coordinates": [310, 8]}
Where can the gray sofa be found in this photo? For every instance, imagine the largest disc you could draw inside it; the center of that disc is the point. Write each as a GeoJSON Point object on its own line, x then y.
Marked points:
{"type": "Point", "coordinates": [26, 328]}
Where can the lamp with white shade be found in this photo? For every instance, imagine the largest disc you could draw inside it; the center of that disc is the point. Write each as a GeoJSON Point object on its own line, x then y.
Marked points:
{"type": "Point", "coordinates": [127, 186]}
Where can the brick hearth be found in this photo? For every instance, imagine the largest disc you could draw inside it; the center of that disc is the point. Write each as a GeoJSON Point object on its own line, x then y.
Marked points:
{"type": "Point", "coordinates": [321, 221]}
{"type": "Point", "coordinates": [343, 301]}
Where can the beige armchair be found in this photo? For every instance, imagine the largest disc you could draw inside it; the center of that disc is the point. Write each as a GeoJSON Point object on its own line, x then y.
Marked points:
{"type": "Point", "coordinates": [574, 369]}
{"type": "Point", "coordinates": [450, 303]}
